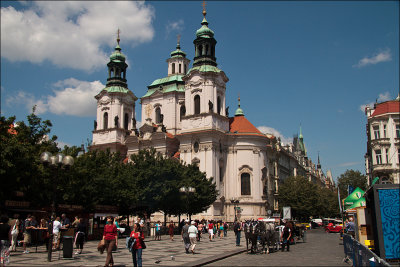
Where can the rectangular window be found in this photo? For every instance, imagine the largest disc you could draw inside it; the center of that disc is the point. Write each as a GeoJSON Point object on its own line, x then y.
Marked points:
{"type": "Point", "coordinates": [398, 155]}
{"type": "Point", "coordinates": [384, 131]}
{"type": "Point", "coordinates": [376, 132]}
{"type": "Point", "coordinates": [397, 130]}
{"type": "Point", "coordinates": [387, 156]}
{"type": "Point", "coordinates": [378, 156]}
{"type": "Point", "coordinates": [245, 184]}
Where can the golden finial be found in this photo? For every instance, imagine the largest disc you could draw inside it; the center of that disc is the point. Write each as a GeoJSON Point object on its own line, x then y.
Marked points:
{"type": "Point", "coordinates": [204, 8]}
{"type": "Point", "coordinates": [118, 32]}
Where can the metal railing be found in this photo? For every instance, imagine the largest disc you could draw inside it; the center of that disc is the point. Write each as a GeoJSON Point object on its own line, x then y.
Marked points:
{"type": "Point", "coordinates": [359, 254]}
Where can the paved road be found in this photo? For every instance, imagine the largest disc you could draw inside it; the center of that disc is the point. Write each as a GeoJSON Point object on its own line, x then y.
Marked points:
{"type": "Point", "coordinates": [321, 249]}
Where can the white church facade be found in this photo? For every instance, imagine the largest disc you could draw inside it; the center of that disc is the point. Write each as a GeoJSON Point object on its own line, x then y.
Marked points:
{"type": "Point", "coordinates": [185, 116]}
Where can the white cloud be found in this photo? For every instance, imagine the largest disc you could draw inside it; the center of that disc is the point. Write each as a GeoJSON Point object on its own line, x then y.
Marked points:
{"type": "Point", "coordinates": [348, 164]}
{"type": "Point", "coordinates": [174, 26]}
{"type": "Point", "coordinates": [270, 130]}
{"type": "Point", "coordinates": [73, 97]}
{"type": "Point", "coordinates": [375, 59]}
{"type": "Point", "coordinates": [381, 98]}
{"type": "Point", "coordinates": [72, 33]}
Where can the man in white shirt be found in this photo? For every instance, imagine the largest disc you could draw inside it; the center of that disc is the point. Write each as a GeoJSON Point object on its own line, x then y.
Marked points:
{"type": "Point", "coordinates": [56, 232]}
{"type": "Point", "coordinates": [192, 235]}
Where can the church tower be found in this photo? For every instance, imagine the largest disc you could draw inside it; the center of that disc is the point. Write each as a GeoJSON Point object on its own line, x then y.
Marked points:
{"type": "Point", "coordinates": [163, 103]}
{"type": "Point", "coordinates": [205, 86]}
{"type": "Point", "coordinates": [115, 107]}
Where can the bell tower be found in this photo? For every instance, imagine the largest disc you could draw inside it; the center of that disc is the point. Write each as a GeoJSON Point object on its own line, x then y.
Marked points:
{"type": "Point", "coordinates": [205, 85]}
{"type": "Point", "coordinates": [115, 107]}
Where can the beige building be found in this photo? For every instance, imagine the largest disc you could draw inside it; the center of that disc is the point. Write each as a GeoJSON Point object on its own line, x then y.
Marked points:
{"type": "Point", "coordinates": [383, 146]}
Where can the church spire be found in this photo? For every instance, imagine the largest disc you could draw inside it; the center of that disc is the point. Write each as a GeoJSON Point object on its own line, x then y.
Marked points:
{"type": "Point", "coordinates": [204, 44]}
{"type": "Point", "coordinates": [239, 111]}
{"type": "Point", "coordinates": [319, 163]}
{"type": "Point", "coordinates": [117, 67]}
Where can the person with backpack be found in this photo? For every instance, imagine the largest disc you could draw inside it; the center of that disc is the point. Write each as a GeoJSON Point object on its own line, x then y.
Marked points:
{"type": "Point", "coordinates": [237, 229]}
{"type": "Point", "coordinates": [286, 235]}
{"type": "Point", "coordinates": [225, 229]}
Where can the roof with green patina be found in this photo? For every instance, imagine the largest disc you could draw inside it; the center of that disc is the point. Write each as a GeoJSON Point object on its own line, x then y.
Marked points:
{"type": "Point", "coordinates": [166, 89]}
{"type": "Point", "coordinates": [177, 78]}
{"type": "Point", "coordinates": [205, 68]}
{"type": "Point", "coordinates": [117, 89]}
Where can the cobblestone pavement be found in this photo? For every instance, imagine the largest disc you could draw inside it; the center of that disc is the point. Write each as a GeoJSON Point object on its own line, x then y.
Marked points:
{"type": "Point", "coordinates": [157, 253]}
{"type": "Point", "coordinates": [320, 249]}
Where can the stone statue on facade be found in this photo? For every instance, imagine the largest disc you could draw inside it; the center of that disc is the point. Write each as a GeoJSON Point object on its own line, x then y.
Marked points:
{"type": "Point", "coordinates": [116, 121]}
{"type": "Point", "coordinates": [227, 111]}
{"type": "Point", "coordinates": [95, 125]}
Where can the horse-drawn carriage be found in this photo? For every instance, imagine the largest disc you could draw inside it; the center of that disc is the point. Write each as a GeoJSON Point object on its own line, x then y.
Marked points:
{"type": "Point", "coordinates": [263, 236]}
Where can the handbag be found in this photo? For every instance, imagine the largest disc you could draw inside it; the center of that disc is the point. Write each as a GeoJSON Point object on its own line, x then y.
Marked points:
{"type": "Point", "coordinates": [101, 246]}
{"type": "Point", "coordinates": [142, 244]}
{"type": "Point", "coordinates": [14, 231]}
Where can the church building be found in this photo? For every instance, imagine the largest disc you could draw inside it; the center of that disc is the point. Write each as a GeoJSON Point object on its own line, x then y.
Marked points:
{"type": "Point", "coordinates": [185, 116]}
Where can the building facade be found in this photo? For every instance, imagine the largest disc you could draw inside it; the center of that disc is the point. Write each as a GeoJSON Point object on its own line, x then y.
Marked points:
{"type": "Point", "coordinates": [383, 144]}
{"type": "Point", "coordinates": [184, 115]}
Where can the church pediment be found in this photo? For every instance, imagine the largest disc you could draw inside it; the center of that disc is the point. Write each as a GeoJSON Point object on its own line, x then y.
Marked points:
{"type": "Point", "coordinates": [147, 128]}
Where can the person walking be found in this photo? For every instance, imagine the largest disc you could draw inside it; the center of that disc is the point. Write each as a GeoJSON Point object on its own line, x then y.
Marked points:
{"type": "Point", "coordinates": [211, 230]}
{"type": "Point", "coordinates": [286, 235]}
{"type": "Point", "coordinates": [15, 225]}
{"type": "Point", "coordinates": [185, 236]}
{"type": "Point", "coordinates": [27, 232]}
{"type": "Point", "coordinates": [56, 233]}
{"type": "Point", "coordinates": [200, 227]}
{"type": "Point", "coordinates": [137, 248]}
{"type": "Point", "coordinates": [81, 231]}
{"type": "Point", "coordinates": [110, 238]}
{"type": "Point", "coordinates": [158, 231]}
{"type": "Point", "coordinates": [237, 229]}
{"type": "Point", "coordinates": [5, 230]}
{"type": "Point", "coordinates": [171, 230]}
{"type": "Point", "coordinates": [192, 230]}
{"type": "Point", "coordinates": [225, 229]}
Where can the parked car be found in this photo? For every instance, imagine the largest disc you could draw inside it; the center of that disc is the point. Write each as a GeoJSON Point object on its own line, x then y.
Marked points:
{"type": "Point", "coordinates": [316, 223]}
{"type": "Point", "coordinates": [332, 228]}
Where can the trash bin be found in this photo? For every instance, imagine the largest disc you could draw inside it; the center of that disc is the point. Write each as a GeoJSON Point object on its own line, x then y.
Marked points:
{"type": "Point", "coordinates": [67, 247]}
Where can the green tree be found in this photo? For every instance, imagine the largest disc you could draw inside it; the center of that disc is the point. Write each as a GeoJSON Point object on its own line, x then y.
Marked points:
{"type": "Point", "coordinates": [352, 178]}
{"type": "Point", "coordinates": [301, 195]}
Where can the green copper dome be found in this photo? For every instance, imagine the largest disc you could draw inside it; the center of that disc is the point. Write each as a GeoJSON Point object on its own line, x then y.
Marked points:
{"type": "Point", "coordinates": [117, 55]}
{"type": "Point", "coordinates": [204, 31]}
{"type": "Point", "coordinates": [178, 52]}
{"type": "Point", "coordinates": [239, 111]}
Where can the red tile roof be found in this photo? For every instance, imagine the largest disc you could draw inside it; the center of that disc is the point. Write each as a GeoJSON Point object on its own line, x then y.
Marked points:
{"type": "Point", "coordinates": [240, 125]}
{"type": "Point", "coordinates": [387, 107]}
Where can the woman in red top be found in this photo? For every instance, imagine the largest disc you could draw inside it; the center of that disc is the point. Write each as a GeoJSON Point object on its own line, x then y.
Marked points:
{"type": "Point", "coordinates": [110, 238]}
{"type": "Point", "coordinates": [137, 234]}
{"type": "Point", "coordinates": [171, 230]}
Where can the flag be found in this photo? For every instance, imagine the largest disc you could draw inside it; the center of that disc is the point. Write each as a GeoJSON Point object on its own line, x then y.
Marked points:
{"type": "Point", "coordinates": [340, 206]}
{"type": "Point", "coordinates": [350, 189]}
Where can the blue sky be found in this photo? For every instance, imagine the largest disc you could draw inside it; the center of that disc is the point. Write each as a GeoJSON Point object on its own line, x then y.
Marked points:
{"type": "Point", "coordinates": [310, 63]}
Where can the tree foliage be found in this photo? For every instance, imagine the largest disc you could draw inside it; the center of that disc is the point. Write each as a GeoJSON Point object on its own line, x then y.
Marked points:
{"type": "Point", "coordinates": [352, 178]}
{"type": "Point", "coordinates": [307, 199]}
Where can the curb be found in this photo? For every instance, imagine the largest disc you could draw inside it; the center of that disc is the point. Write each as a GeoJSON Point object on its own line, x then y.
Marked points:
{"type": "Point", "coordinates": [214, 258]}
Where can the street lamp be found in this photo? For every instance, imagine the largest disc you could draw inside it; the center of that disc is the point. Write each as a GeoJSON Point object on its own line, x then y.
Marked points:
{"type": "Point", "coordinates": [56, 162]}
{"type": "Point", "coordinates": [235, 202]}
{"type": "Point", "coordinates": [187, 190]}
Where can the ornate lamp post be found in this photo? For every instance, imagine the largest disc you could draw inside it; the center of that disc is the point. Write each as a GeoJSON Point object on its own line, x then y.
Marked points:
{"type": "Point", "coordinates": [56, 162]}
{"type": "Point", "coordinates": [187, 190]}
{"type": "Point", "coordinates": [235, 202]}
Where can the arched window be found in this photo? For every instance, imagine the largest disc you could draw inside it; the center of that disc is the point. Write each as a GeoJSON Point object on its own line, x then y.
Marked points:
{"type": "Point", "coordinates": [200, 50]}
{"type": "Point", "coordinates": [158, 115]}
{"type": "Point", "coordinates": [245, 183]}
{"type": "Point", "coordinates": [180, 68]}
{"type": "Point", "coordinates": [197, 104]}
{"type": "Point", "coordinates": [105, 120]}
{"type": "Point", "coordinates": [219, 105]}
{"type": "Point", "coordinates": [182, 112]}
{"type": "Point", "coordinates": [185, 68]}
{"type": "Point", "coordinates": [207, 50]}
{"type": "Point", "coordinates": [126, 121]}
{"type": "Point", "coordinates": [212, 50]}
{"type": "Point", "coordinates": [173, 68]}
